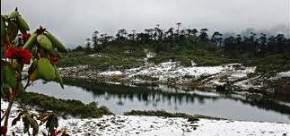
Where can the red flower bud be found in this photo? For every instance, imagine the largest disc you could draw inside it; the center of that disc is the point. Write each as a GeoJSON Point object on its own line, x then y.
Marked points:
{"type": "Point", "coordinates": [25, 36]}
{"type": "Point", "coordinates": [14, 94]}
{"type": "Point", "coordinates": [56, 132]}
{"type": "Point", "coordinates": [54, 58]}
{"type": "Point", "coordinates": [21, 54]}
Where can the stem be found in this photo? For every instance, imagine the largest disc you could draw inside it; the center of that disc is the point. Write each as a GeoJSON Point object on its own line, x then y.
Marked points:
{"type": "Point", "coordinates": [27, 84]}
{"type": "Point", "coordinates": [12, 98]}
{"type": "Point", "coordinates": [5, 113]}
{"type": "Point", "coordinates": [8, 112]}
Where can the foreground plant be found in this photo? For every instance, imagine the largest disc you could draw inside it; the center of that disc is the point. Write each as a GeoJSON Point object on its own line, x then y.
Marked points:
{"type": "Point", "coordinates": [39, 49]}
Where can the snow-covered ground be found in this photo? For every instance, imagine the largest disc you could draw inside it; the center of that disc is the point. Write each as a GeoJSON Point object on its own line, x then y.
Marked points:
{"type": "Point", "coordinates": [167, 70]}
{"type": "Point", "coordinates": [249, 83]}
{"type": "Point", "coordinates": [149, 126]}
{"type": "Point", "coordinates": [120, 125]}
{"type": "Point", "coordinates": [172, 71]}
{"type": "Point", "coordinates": [235, 75]}
{"type": "Point", "coordinates": [111, 73]}
{"type": "Point", "coordinates": [284, 74]}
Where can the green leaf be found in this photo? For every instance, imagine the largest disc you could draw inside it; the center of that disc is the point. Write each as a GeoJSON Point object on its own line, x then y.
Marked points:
{"type": "Point", "coordinates": [25, 123]}
{"type": "Point", "coordinates": [33, 123]}
{"type": "Point", "coordinates": [5, 90]}
{"type": "Point", "coordinates": [9, 76]}
{"type": "Point", "coordinates": [13, 14]}
{"type": "Point", "coordinates": [20, 89]}
{"type": "Point", "coordinates": [29, 121]}
{"type": "Point", "coordinates": [3, 29]}
{"type": "Point", "coordinates": [12, 30]}
{"type": "Point", "coordinates": [59, 45]}
{"type": "Point", "coordinates": [23, 26]}
{"type": "Point", "coordinates": [58, 78]}
{"type": "Point", "coordinates": [52, 122]}
{"type": "Point", "coordinates": [44, 42]}
{"type": "Point", "coordinates": [46, 71]}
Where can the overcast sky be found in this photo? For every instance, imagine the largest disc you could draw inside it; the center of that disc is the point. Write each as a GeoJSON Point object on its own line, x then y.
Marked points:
{"type": "Point", "coordinates": [74, 20]}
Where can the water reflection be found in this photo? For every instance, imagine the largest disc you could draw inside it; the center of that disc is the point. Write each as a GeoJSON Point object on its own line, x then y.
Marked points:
{"type": "Point", "coordinates": [121, 98]}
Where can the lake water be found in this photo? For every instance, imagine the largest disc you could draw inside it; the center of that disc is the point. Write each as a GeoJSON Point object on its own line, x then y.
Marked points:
{"type": "Point", "coordinates": [120, 99]}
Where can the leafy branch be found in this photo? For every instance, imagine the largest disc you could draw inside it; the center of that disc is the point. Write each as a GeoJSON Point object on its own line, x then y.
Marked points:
{"type": "Point", "coordinates": [39, 49]}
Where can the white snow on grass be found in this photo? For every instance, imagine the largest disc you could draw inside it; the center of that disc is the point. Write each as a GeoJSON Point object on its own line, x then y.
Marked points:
{"type": "Point", "coordinates": [159, 126]}
{"type": "Point", "coordinates": [172, 71]}
{"type": "Point", "coordinates": [166, 70]}
{"type": "Point", "coordinates": [239, 128]}
{"type": "Point", "coordinates": [75, 67]}
{"type": "Point", "coordinates": [121, 125]}
{"type": "Point", "coordinates": [96, 55]}
{"type": "Point", "coordinates": [248, 84]}
{"type": "Point", "coordinates": [284, 74]}
{"type": "Point", "coordinates": [111, 73]}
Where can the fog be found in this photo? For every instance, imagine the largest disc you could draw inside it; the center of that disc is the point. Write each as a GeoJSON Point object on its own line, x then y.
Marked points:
{"type": "Point", "coordinates": [75, 20]}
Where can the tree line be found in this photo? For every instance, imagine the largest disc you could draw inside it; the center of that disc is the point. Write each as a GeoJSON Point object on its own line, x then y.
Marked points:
{"type": "Point", "coordinates": [174, 38]}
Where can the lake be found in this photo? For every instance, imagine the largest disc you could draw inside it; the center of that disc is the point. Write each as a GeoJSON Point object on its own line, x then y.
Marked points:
{"type": "Point", "coordinates": [120, 99]}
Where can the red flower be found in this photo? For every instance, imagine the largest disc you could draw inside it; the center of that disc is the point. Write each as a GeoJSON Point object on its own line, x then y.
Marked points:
{"type": "Point", "coordinates": [21, 54]}
{"type": "Point", "coordinates": [25, 55]}
{"type": "Point", "coordinates": [11, 53]}
{"type": "Point", "coordinates": [25, 36]}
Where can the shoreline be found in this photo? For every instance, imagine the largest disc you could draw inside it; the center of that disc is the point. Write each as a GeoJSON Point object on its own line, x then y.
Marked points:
{"type": "Point", "coordinates": [261, 101]}
{"type": "Point", "coordinates": [225, 78]}
{"type": "Point", "coordinates": [143, 124]}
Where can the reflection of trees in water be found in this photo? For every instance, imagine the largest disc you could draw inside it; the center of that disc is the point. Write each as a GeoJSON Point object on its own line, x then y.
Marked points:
{"type": "Point", "coordinates": [155, 96]}
{"type": "Point", "coordinates": [268, 104]}
{"type": "Point", "coordinates": [262, 102]}
{"type": "Point", "coordinates": [140, 93]}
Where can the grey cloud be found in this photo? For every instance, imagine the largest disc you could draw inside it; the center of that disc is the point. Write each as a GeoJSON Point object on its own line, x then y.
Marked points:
{"type": "Point", "coordinates": [75, 20]}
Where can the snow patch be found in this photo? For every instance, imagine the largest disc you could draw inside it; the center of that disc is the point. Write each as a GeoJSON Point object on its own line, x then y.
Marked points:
{"type": "Point", "coordinates": [75, 67]}
{"type": "Point", "coordinates": [111, 73]}
{"type": "Point", "coordinates": [284, 74]}
{"type": "Point", "coordinates": [96, 55]}
{"type": "Point", "coordinates": [172, 72]}
{"type": "Point", "coordinates": [167, 70]}
{"type": "Point", "coordinates": [248, 84]}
